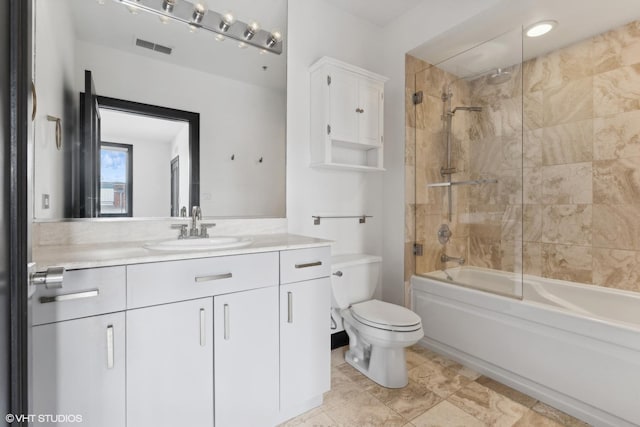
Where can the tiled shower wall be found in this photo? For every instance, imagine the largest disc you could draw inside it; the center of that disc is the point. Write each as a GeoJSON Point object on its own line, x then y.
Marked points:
{"type": "Point", "coordinates": [576, 216]}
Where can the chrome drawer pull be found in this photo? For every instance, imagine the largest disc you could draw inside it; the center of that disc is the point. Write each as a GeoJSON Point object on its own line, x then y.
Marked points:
{"type": "Point", "coordinates": [290, 307]}
{"type": "Point", "coordinates": [214, 277]}
{"type": "Point", "coordinates": [227, 331]}
{"type": "Point", "coordinates": [110, 347]}
{"type": "Point", "coordinates": [69, 297]}
{"type": "Point", "coordinates": [203, 338]}
{"type": "Point", "coordinates": [309, 264]}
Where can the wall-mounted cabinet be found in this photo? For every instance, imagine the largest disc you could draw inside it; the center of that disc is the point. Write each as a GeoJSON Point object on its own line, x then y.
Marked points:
{"type": "Point", "coordinates": [347, 111]}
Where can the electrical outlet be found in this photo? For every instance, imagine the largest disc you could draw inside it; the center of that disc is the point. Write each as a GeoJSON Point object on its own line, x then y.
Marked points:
{"type": "Point", "coordinates": [45, 201]}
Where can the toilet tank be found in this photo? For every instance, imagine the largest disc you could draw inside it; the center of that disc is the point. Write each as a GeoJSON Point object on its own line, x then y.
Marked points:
{"type": "Point", "coordinates": [359, 278]}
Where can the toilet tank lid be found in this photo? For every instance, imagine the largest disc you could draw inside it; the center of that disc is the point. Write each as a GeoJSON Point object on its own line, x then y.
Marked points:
{"type": "Point", "coordinates": [348, 260]}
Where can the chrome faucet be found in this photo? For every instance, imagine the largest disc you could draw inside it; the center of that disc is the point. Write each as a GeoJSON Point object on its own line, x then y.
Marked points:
{"type": "Point", "coordinates": [196, 214]}
{"type": "Point", "coordinates": [444, 258]}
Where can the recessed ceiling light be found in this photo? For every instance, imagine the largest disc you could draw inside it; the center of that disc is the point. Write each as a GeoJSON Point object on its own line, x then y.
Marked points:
{"type": "Point", "coordinates": [540, 28]}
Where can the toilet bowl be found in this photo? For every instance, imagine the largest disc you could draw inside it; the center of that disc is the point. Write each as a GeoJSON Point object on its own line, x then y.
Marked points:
{"type": "Point", "coordinates": [378, 331]}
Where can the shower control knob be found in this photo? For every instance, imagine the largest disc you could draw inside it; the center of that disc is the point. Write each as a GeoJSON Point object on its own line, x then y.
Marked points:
{"type": "Point", "coordinates": [444, 234]}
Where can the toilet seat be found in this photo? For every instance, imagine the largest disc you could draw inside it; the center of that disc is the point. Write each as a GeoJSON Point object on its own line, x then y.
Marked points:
{"type": "Point", "coordinates": [386, 316]}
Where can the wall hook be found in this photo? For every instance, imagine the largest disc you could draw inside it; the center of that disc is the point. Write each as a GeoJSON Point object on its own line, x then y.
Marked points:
{"type": "Point", "coordinates": [58, 130]}
{"type": "Point", "coordinates": [233, 157]}
{"type": "Point", "coordinates": [260, 160]}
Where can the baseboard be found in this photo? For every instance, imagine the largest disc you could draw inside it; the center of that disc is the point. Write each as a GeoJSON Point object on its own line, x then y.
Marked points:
{"type": "Point", "coordinates": [571, 406]}
{"type": "Point", "coordinates": [339, 339]}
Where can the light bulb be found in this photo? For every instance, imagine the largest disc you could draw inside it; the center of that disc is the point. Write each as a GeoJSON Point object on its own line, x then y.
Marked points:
{"type": "Point", "coordinates": [168, 5]}
{"type": "Point", "coordinates": [540, 28]}
{"type": "Point", "coordinates": [199, 11]}
{"type": "Point", "coordinates": [226, 21]}
{"type": "Point", "coordinates": [274, 38]}
{"type": "Point", "coordinates": [251, 30]}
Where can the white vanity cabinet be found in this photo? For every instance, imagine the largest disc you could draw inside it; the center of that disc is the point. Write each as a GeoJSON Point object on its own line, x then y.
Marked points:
{"type": "Point", "coordinates": [246, 358]}
{"type": "Point", "coordinates": [305, 337]}
{"type": "Point", "coordinates": [79, 352]}
{"type": "Point", "coordinates": [170, 364]}
{"type": "Point", "coordinates": [347, 115]}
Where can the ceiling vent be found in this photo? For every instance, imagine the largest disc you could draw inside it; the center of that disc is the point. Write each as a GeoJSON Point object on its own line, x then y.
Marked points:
{"type": "Point", "coordinates": [153, 46]}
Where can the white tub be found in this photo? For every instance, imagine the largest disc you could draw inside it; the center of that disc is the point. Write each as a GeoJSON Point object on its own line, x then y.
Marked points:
{"type": "Point", "coordinates": [573, 346]}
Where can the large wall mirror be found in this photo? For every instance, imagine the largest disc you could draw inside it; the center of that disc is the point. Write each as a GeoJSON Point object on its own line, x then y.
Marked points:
{"type": "Point", "coordinates": [148, 165]}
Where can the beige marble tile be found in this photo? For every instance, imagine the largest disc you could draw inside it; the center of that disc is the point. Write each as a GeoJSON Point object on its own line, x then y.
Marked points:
{"type": "Point", "coordinates": [354, 375]}
{"type": "Point", "coordinates": [410, 401]}
{"type": "Point", "coordinates": [441, 381]}
{"type": "Point", "coordinates": [409, 223]}
{"type": "Point", "coordinates": [488, 406]}
{"type": "Point", "coordinates": [617, 48]}
{"type": "Point", "coordinates": [485, 220]}
{"type": "Point", "coordinates": [616, 91]}
{"type": "Point", "coordinates": [532, 185]}
{"type": "Point", "coordinates": [535, 74]}
{"type": "Point", "coordinates": [342, 390]}
{"type": "Point", "coordinates": [532, 148]}
{"type": "Point", "coordinates": [565, 262]}
{"type": "Point", "coordinates": [495, 153]}
{"type": "Point", "coordinates": [432, 81]}
{"type": "Point", "coordinates": [616, 269]}
{"type": "Point", "coordinates": [567, 184]}
{"type": "Point", "coordinates": [557, 415]}
{"type": "Point", "coordinates": [365, 410]}
{"type": "Point", "coordinates": [507, 391]}
{"type": "Point", "coordinates": [511, 256]}
{"type": "Point", "coordinates": [410, 146]}
{"type": "Point", "coordinates": [511, 223]}
{"type": "Point", "coordinates": [616, 226]}
{"type": "Point", "coordinates": [533, 419]}
{"type": "Point", "coordinates": [569, 102]}
{"type": "Point", "coordinates": [567, 224]}
{"type": "Point", "coordinates": [532, 223]}
{"type": "Point", "coordinates": [485, 252]}
{"type": "Point", "coordinates": [533, 110]}
{"type": "Point", "coordinates": [568, 143]}
{"type": "Point", "coordinates": [434, 357]}
{"type": "Point", "coordinates": [617, 136]}
{"type": "Point", "coordinates": [314, 418]}
{"type": "Point", "coordinates": [532, 258]}
{"type": "Point", "coordinates": [409, 261]}
{"type": "Point", "coordinates": [430, 260]}
{"type": "Point", "coordinates": [616, 181]}
{"type": "Point", "coordinates": [410, 112]}
{"type": "Point", "coordinates": [446, 414]}
{"type": "Point", "coordinates": [337, 356]}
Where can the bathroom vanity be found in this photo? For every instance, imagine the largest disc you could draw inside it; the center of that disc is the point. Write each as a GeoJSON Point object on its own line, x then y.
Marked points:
{"type": "Point", "coordinates": [233, 337]}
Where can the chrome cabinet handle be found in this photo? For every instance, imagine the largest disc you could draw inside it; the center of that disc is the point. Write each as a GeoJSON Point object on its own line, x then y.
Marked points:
{"type": "Point", "coordinates": [290, 307]}
{"type": "Point", "coordinates": [227, 331]}
{"type": "Point", "coordinates": [69, 297]}
{"type": "Point", "coordinates": [309, 264]}
{"type": "Point", "coordinates": [110, 347]}
{"type": "Point", "coordinates": [203, 326]}
{"type": "Point", "coordinates": [213, 277]}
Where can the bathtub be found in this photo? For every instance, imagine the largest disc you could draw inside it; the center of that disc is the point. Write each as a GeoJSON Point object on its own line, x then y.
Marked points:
{"type": "Point", "coordinates": [573, 346]}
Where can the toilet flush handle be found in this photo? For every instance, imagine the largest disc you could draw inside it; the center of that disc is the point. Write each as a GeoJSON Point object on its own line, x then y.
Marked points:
{"type": "Point", "coordinates": [338, 273]}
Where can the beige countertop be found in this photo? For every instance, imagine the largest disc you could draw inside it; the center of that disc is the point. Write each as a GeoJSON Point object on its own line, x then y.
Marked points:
{"type": "Point", "coordinates": [79, 256]}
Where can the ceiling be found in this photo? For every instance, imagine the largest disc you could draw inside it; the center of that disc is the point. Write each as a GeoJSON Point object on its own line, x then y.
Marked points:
{"type": "Point", "coordinates": [378, 12]}
{"type": "Point", "coordinates": [492, 39]}
{"type": "Point", "coordinates": [120, 127]}
{"type": "Point", "coordinates": [111, 24]}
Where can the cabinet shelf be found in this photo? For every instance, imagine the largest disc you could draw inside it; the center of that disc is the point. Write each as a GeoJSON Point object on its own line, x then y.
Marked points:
{"type": "Point", "coordinates": [346, 166]}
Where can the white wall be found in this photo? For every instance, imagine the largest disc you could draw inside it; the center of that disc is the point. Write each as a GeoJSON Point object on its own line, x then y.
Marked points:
{"type": "Point", "coordinates": [54, 81]}
{"type": "Point", "coordinates": [180, 147]}
{"type": "Point", "coordinates": [151, 178]}
{"type": "Point", "coordinates": [318, 29]}
{"type": "Point", "coordinates": [235, 118]}
{"type": "Point", "coordinates": [415, 27]}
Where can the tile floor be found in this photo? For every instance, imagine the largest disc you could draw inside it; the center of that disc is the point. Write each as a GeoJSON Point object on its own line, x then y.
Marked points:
{"type": "Point", "coordinates": [441, 392]}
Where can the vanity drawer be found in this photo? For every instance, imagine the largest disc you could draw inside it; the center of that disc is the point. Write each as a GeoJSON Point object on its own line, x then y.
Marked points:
{"type": "Point", "coordinates": [305, 264]}
{"type": "Point", "coordinates": [83, 293]}
{"type": "Point", "coordinates": [164, 282]}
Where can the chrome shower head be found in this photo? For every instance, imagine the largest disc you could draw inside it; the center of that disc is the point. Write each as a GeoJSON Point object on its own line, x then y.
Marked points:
{"type": "Point", "coordinates": [499, 77]}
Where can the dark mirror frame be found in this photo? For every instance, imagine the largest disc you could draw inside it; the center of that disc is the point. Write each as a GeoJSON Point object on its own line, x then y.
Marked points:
{"type": "Point", "coordinates": [161, 113]}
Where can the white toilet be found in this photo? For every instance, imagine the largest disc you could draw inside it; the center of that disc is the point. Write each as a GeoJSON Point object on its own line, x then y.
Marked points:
{"type": "Point", "coordinates": [378, 331]}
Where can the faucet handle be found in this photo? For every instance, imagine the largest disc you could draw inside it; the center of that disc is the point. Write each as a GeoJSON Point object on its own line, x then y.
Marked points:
{"type": "Point", "coordinates": [183, 230]}
{"type": "Point", "coordinates": [203, 229]}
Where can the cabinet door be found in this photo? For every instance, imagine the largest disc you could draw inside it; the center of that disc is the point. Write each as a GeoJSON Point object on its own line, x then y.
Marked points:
{"type": "Point", "coordinates": [79, 369]}
{"type": "Point", "coordinates": [370, 102]}
{"type": "Point", "coordinates": [305, 341]}
{"type": "Point", "coordinates": [246, 358]}
{"type": "Point", "coordinates": [343, 104]}
{"type": "Point", "coordinates": [170, 365]}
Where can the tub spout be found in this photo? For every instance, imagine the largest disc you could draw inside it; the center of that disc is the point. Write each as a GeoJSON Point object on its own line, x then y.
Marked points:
{"type": "Point", "coordinates": [444, 258]}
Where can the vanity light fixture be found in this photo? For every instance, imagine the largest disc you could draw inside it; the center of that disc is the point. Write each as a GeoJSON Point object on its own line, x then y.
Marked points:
{"type": "Point", "coordinates": [251, 30]}
{"type": "Point", "coordinates": [540, 28]}
{"type": "Point", "coordinates": [197, 15]}
{"type": "Point", "coordinates": [226, 21]}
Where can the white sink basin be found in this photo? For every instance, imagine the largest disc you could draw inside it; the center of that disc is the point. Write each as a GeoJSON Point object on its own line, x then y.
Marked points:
{"type": "Point", "coordinates": [211, 243]}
